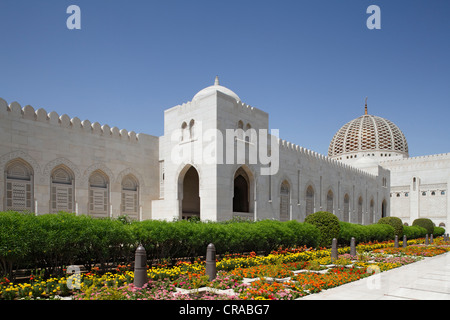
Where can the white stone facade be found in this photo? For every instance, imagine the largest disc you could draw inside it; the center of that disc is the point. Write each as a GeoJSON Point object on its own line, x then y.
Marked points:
{"type": "Point", "coordinates": [419, 188]}
{"type": "Point", "coordinates": [54, 162]}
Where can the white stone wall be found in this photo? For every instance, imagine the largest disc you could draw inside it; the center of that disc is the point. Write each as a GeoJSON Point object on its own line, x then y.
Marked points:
{"type": "Point", "coordinates": [298, 166]}
{"type": "Point", "coordinates": [420, 188]}
{"type": "Point", "coordinates": [46, 140]}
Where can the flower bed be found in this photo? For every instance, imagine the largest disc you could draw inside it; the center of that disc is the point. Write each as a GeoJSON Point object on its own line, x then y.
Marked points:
{"type": "Point", "coordinates": [283, 274]}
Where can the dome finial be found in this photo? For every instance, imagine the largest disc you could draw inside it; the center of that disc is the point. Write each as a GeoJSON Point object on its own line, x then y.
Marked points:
{"type": "Point", "coordinates": [365, 108]}
{"type": "Point", "coordinates": [216, 82]}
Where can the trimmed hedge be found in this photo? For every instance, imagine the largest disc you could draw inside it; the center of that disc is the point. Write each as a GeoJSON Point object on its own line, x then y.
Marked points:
{"type": "Point", "coordinates": [438, 231]}
{"type": "Point", "coordinates": [424, 223]}
{"type": "Point", "coordinates": [414, 232]}
{"type": "Point", "coordinates": [373, 232]}
{"type": "Point", "coordinates": [52, 241]}
{"type": "Point", "coordinates": [327, 223]}
{"type": "Point", "coordinates": [395, 222]}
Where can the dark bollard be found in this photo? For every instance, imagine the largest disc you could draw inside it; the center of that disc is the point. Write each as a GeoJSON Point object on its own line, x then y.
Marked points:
{"type": "Point", "coordinates": [334, 251]}
{"type": "Point", "coordinates": [426, 240]}
{"type": "Point", "coordinates": [431, 239]}
{"type": "Point", "coordinates": [140, 267]}
{"type": "Point", "coordinates": [353, 247]}
{"type": "Point", "coordinates": [396, 242]}
{"type": "Point", "coordinates": [405, 242]}
{"type": "Point", "coordinates": [211, 270]}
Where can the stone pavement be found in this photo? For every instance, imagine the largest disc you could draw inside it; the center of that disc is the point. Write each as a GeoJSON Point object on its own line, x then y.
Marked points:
{"type": "Point", "coordinates": [428, 279]}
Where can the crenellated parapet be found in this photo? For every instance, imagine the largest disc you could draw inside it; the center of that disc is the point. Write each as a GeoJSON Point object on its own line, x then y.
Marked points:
{"type": "Point", "coordinates": [286, 146]}
{"type": "Point", "coordinates": [14, 109]}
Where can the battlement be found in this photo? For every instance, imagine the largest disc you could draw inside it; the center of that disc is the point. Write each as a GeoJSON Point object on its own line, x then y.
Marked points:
{"type": "Point", "coordinates": [245, 108]}
{"type": "Point", "coordinates": [64, 121]}
{"type": "Point", "coordinates": [291, 147]}
{"type": "Point", "coordinates": [432, 157]}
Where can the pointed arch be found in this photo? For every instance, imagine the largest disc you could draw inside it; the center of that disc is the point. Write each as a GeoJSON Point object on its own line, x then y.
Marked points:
{"type": "Point", "coordinates": [285, 201]}
{"type": "Point", "coordinates": [130, 196]}
{"type": "Point", "coordinates": [372, 211]}
{"type": "Point", "coordinates": [98, 194]}
{"type": "Point", "coordinates": [19, 191]}
{"type": "Point", "coordinates": [243, 192]}
{"type": "Point", "coordinates": [309, 196]}
{"type": "Point", "coordinates": [189, 192]}
{"type": "Point", "coordinates": [360, 210]}
{"type": "Point", "coordinates": [346, 211]}
{"type": "Point", "coordinates": [330, 201]}
{"type": "Point", "coordinates": [384, 208]}
{"type": "Point", "coordinates": [62, 189]}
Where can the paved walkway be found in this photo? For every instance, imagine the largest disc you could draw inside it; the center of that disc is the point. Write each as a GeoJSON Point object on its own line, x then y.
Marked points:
{"type": "Point", "coordinates": [428, 279]}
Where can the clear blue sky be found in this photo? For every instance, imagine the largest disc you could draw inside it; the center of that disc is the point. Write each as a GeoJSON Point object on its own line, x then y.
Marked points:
{"type": "Point", "coordinates": [309, 64]}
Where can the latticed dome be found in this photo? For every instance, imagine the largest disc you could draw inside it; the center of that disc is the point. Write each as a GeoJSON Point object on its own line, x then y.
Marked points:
{"type": "Point", "coordinates": [368, 135]}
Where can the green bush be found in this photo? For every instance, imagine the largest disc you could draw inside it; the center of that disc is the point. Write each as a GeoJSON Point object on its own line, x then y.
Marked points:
{"type": "Point", "coordinates": [438, 231]}
{"type": "Point", "coordinates": [395, 222]}
{"type": "Point", "coordinates": [53, 241]}
{"type": "Point", "coordinates": [373, 232]}
{"type": "Point", "coordinates": [425, 223]}
{"type": "Point", "coordinates": [328, 225]}
{"type": "Point", "coordinates": [349, 230]}
{"type": "Point", "coordinates": [380, 232]}
{"type": "Point", "coordinates": [414, 232]}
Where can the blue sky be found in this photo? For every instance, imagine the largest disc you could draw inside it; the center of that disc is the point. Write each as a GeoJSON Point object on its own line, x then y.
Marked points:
{"type": "Point", "coordinates": [309, 64]}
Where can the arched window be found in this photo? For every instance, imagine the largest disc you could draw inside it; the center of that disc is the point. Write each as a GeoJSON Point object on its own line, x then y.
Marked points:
{"type": "Point", "coordinates": [330, 197]}
{"type": "Point", "coordinates": [384, 209]}
{"type": "Point", "coordinates": [98, 194]}
{"type": "Point", "coordinates": [130, 197]}
{"type": "Point", "coordinates": [285, 205]}
{"type": "Point", "coordinates": [240, 130]}
{"type": "Point", "coordinates": [62, 190]}
{"type": "Point", "coordinates": [346, 217]}
{"type": "Point", "coordinates": [19, 186]}
{"type": "Point", "coordinates": [309, 200]}
{"type": "Point", "coordinates": [184, 132]}
{"type": "Point", "coordinates": [360, 210]}
{"type": "Point", "coordinates": [372, 211]}
{"type": "Point", "coordinates": [191, 129]}
{"type": "Point", "coordinates": [248, 132]}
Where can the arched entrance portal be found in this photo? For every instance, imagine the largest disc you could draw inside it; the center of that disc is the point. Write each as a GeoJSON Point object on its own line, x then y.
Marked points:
{"type": "Point", "coordinates": [243, 196]}
{"type": "Point", "coordinates": [383, 209]}
{"type": "Point", "coordinates": [240, 198]}
{"type": "Point", "coordinates": [190, 203]}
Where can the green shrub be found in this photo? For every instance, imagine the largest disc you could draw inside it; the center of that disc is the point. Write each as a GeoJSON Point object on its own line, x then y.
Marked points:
{"type": "Point", "coordinates": [395, 222]}
{"type": "Point", "coordinates": [349, 230]}
{"type": "Point", "coordinates": [328, 225]}
{"type": "Point", "coordinates": [438, 231]}
{"type": "Point", "coordinates": [380, 232]}
{"type": "Point", "coordinates": [373, 232]}
{"type": "Point", "coordinates": [425, 223]}
{"type": "Point", "coordinates": [414, 232]}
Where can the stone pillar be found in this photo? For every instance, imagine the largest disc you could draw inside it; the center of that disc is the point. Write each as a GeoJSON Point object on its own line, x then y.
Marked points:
{"type": "Point", "coordinates": [140, 267]}
{"type": "Point", "coordinates": [211, 270]}
{"type": "Point", "coordinates": [334, 251]}
{"type": "Point", "coordinates": [353, 247]}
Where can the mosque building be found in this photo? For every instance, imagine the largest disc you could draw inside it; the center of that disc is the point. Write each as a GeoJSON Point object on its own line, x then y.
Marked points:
{"type": "Point", "coordinates": [216, 160]}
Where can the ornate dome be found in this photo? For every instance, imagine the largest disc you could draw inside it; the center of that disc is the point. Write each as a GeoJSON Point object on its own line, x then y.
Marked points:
{"type": "Point", "coordinates": [216, 87]}
{"type": "Point", "coordinates": [368, 133]}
